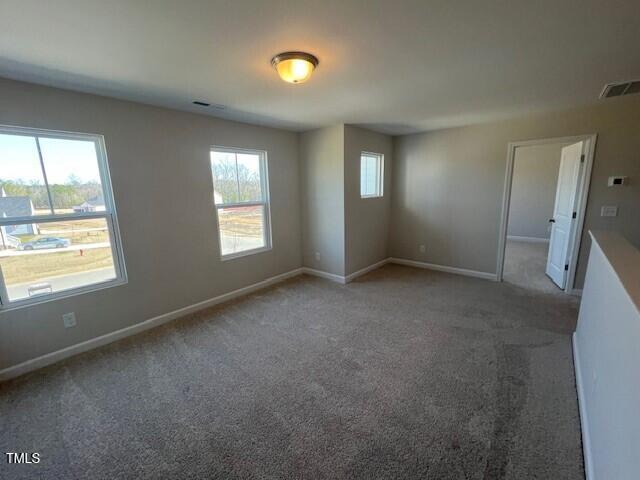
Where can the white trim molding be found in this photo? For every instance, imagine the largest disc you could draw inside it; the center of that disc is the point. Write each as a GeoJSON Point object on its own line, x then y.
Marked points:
{"type": "Point", "coordinates": [342, 279]}
{"type": "Point", "coordinates": [589, 148]}
{"type": "Point", "coordinates": [584, 423]}
{"type": "Point", "coordinates": [399, 261]}
{"type": "Point", "coordinates": [370, 268]}
{"type": "Point", "coordinates": [326, 275]}
{"type": "Point", "coordinates": [53, 357]}
{"type": "Point", "coordinates": [518, 238]}
{"type": "Point", "coordinates": [445, 268]}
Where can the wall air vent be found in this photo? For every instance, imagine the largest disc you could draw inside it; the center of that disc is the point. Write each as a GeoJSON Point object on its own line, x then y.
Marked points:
{"type": "Point", "coordinates": [620, 88]}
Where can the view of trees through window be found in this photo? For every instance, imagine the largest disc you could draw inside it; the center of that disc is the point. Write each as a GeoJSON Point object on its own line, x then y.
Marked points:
{"type": "Point", "coordinates": [56, 176]}
{"type": "Point", "coordinates": [236, 177]}
{"type": "Point", "coordinates": [72, 193]}
{"type": "Point", "coordinates": [69, 167]}
{"type": "Point", "coordinates": [240, 202]}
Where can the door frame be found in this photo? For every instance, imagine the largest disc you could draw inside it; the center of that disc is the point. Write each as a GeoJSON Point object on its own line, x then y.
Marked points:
{"type": "Point", "coordinates": [582, 193]}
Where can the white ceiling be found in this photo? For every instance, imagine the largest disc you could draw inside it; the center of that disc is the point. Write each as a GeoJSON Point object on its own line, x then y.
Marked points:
{"type": "Point", "coordinates": [395, 66]}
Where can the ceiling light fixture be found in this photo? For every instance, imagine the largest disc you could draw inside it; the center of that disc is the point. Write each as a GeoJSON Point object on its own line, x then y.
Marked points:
{"type": "Point", "coordinates": [294, 67]}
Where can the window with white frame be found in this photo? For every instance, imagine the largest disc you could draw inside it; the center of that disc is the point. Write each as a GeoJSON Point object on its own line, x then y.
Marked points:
{"type": "Point", "coordinates": [371, 175]}
{"type": "Point", "coordinates": [241, 198]}
{"type": "Point", "coordinates": [58, 226]}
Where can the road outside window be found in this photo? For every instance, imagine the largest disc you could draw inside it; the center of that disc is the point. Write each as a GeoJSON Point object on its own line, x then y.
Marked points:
{"type": "Point", "coordinates": [58, 231]}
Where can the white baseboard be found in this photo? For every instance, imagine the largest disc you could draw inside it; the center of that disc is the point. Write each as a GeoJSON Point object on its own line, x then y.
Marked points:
{"type": "Point", "coordinates": [53, 357]}
{"type": "Point", "coordinates": [517, 238]}
{"type": "Point", "coordinates": [444, 268]}
{"type": "Point", "coordinates": [584, 422]}
{"type": "Point", "coordinates": [400, 261]}
{"type": "Point", "coordinates": [322, 274]}
{"type": "Point", "coordinates": [359, 273]}
{"type": "Point", "coordinates": [344, 279]}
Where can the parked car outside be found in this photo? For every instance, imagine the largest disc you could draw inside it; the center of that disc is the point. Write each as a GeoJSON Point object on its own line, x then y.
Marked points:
{"type": "Point", "coordinates": [45, 242]}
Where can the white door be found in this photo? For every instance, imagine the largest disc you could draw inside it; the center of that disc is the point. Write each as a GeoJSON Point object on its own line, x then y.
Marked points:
{"type": "Point", "coordinates": [563, 214]}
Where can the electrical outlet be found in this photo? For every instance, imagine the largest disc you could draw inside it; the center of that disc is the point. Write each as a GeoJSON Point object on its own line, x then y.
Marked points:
{"type": "Point", "coordinates": [423, 248]}
{"type": "Point", "coordinates": [69, 320]}
{"type": "Point", "coordinates": [318, 256]}
{"type": "Point", "coordinates": [609, 211]}
{"type": "Point", "coordinates": [616, 181]}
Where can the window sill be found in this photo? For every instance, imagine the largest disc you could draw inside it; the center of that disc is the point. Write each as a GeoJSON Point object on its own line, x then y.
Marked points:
{"type": "Point", "coordinates": [244, 253]}
{"type": "Point", "coordinates": [371, 196]}
{"type": "Point", "coordinates": [38, 300]}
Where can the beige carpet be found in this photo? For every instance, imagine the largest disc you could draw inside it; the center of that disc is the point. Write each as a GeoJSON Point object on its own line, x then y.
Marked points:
{"type": "Point", "coordinates": [525, 264]}
{"type": "Point", "coordinates": [404, 373]}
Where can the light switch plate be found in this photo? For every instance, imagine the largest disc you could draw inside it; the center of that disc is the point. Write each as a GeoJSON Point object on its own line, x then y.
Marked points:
{"type": "Point", "coordinates": [609, 211]}
{"type": "Point", "coordinates": [69, 320]}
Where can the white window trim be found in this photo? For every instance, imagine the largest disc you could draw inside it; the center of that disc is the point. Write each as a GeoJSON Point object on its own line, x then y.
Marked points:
{"type": "Point", "coordinates": [265, 203]}
{"type": "Point", "coordinates": [109, 215]}
{"type": "Point", "coordinates": [380, 174]}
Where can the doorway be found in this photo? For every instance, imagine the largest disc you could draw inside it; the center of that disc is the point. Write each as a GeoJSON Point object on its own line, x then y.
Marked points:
{"type": "Point", "coordinates": [544, 203]}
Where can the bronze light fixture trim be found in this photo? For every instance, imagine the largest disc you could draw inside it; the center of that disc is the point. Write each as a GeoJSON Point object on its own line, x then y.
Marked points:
{"type": "Point", "coordinates": [295, 67]}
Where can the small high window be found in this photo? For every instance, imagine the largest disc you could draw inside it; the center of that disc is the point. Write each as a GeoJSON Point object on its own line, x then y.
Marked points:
{"type": "Point", "coordinates": [241, 198]}
{"type": "Point", "coordinates": [371, 175]}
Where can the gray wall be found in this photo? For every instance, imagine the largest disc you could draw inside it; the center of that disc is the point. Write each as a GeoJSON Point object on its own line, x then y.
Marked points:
{"type": "Point", "coordinates": [448, 184]}
{"type": "Point", "coordinates": [533, 192]}
{"type": "Point", "coordinates": [159, 162]}
{"type": "Point", "coordinates": [349, 232]}
{"type": "Point", "coordinates": [366, 219]}
{"type": "Point", "coordinates": [322, 195]}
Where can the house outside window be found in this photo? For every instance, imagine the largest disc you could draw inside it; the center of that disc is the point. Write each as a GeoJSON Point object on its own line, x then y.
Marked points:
{"type": "Point", "coordinates": [59, 234]}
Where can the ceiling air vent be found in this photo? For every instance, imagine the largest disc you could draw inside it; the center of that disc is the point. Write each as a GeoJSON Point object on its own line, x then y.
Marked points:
{"type": "Point", "coordinates": [620, 88]}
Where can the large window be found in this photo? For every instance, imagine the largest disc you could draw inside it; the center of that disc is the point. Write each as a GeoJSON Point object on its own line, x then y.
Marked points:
{"type": "Point", "coordinates": [58, 229]}
{"type": "Point", "coordinates": [371, 175]}
{"type": "Point", "coordinates": [241, 197]}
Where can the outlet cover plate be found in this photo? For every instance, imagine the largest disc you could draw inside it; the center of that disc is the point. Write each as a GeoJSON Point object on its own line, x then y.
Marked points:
{"type": "Point", "coordinates": [69, 320]}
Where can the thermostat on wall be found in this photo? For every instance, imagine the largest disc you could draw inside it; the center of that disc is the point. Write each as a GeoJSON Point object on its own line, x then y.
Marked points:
{"type": "Point", "coordinates": [617, 181]}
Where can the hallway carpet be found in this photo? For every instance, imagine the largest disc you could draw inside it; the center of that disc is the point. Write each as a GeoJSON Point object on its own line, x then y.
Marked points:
{"type": "Point", "coordinates": [525, 264]}
{"type": "Point", "coordinates": [404, 373]}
